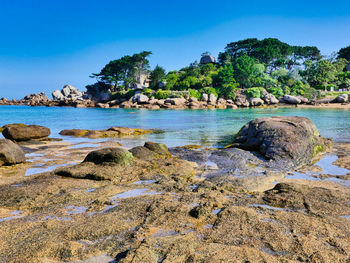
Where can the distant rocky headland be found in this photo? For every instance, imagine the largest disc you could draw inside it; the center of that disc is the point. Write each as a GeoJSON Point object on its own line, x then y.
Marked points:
{"type": "Point", "coordinates": [248, 73]}
{"type": "Point", "coordinates": [72, 97]}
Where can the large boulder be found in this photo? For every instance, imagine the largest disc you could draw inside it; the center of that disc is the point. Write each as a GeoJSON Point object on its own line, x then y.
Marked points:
{"type": "Point", "coordinates": [22, 132]}
{"type": "Point", "coordinates": [342, 98]}
{"type": "Point", "coordinates": [57, 95]}
{"type": "Point", "coordinates": [205, 97]}
{"type": "Point", "coordinates": [270, 99]}
{"type": "Point", "coordinates": [68, 92]}
{"type": "Point", "coordinates": [282, 138]}
{"type": "Point", "coordinates": [110, 155]}
{"type": "Point", "coordinates": [176, 101]}
{"type": "Point", "coordinates": [140, 98]}
{"type": "Point", "coordinates": [10, 153]}
{"type": "Point", "coordinates": [212, 99]}
{"type": "Point", "coordinates": [256, 102]}
{"type": "Point", "coordinates": [291, 99]}
{"type": "Point", "coordinates": [241, 101]}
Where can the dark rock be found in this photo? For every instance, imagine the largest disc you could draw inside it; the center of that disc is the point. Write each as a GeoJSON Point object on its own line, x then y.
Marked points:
{"type": "Point", "coordinates": [10, 153]}
{"type": "Point", "coordinates": [22, 132]}
{"type": "Point", "coordinates": [110, 155]}
{"type": "Point", "coordinates": [282, 138]}
{"type": "Point", "coordinates": [143, 153]}
{"type": "Point", "coordinates": [158, 148]}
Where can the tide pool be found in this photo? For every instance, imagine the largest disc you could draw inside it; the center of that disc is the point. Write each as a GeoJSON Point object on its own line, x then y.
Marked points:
{"type": "Point", "coordinates": [182, 127]}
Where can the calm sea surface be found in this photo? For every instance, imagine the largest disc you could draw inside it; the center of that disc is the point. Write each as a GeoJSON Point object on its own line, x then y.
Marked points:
{"type": "Point", "coordinates": [182, 127]}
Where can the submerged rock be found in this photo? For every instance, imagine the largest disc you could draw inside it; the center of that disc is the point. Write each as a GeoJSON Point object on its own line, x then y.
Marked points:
{"type": "Point", "coordinates": [22, 132]}
{"type": "Point", "coordinates": [10, 153]}
{"type": "Point", "coordinates": [294, 139]}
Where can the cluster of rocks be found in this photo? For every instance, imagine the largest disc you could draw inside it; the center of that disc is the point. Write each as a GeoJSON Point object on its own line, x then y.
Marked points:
{"type": "Point", "coordinates": [68, 93]}
{"type": "Point", "coordinates": [207, 101]}
{"type": "Point", "coordinates": [10, 152]}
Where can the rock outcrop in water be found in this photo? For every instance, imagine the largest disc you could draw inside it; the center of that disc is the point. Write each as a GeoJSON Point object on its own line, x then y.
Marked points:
{"type": "Point", "coordinates": [111, 132]}
{"type": "Point", "coordinates": [10, 153]}
{"type": "Point", "coordinates": [21, 132]}
{"type": "Point", "coordinates": [291, 139]}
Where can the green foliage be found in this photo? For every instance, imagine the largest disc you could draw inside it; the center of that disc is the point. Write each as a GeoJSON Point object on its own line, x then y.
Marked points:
{"type": "Point", "coordinates": [276, 91]}
{"type": "Point", "coordinates": [255, 92]}
{"type": "Point", "coordinates": [247, 72]}
{"type": "Point", "coordinates": [161, 94]}
{"type": "Point", "coordinates": [156, 76]}
{"type": "Point", "coordinates": [344, 53]}
{"type": "Point", "coordinates": [195, 94]}
{"type": "Point", "coordinates": [124, 71]}
{"type": "Point", "coordinates": [148, 92]}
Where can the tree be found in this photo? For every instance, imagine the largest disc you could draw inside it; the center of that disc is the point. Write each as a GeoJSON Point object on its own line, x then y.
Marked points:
{"type": "Point", "coordinates": [247, 72]}
{"type": "Point", "coordinates": [156, 76]}
{"type": "Point", "coordinates": [344, 53]}
{"type": "Point", "coordinates": [320, 73]}
{"type": "Point", "coordinates": [225, 82]}
{"type": "Point", "coordinates": [124, 71]}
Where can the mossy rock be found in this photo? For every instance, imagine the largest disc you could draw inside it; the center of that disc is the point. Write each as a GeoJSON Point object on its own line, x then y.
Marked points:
{"type": "Point", "coordinates": [143, 153]}
{"type": "Point", "coordinates": [110, 155]}
{"type": "Point", "coordinates": [158, 148]}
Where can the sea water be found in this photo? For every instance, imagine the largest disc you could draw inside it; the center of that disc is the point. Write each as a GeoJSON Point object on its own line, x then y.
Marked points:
{"type": "Point", "coordinates": [182, 127]}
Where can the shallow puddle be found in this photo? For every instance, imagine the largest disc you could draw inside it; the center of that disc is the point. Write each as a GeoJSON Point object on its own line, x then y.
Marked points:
{"type": "Point", "coordinates": [75, 210]}
{"type": "Point", "coordinates": [145, 182]}
{"type": "Point", "coordinates": [13, 215]}
{"type": "Point", "coordinates": [269, 207]}
{"type": "Point", "coordinates": [36, 170]}
{"type": "Point", "coordinates": [134, 193]}
{"type": "Point", "coordinates": [165, 233]}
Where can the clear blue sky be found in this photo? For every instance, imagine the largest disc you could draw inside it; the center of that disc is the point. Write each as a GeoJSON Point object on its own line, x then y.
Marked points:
{"type": "Point", "coordinates": [48, 43]}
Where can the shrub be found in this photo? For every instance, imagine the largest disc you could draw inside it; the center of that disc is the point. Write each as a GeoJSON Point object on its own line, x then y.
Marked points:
{"type": "Point", "coordinates": [256, 92]}
{"type": "Point", "coordinates": [195, 94]}
{"type": "Point", "coordinates": [228, 90]}
{"type": "Point", "coordinates": [161, 94]}
{"type": "Point", "coordinates": [129, 94]}
{"type": "Point", "coordinates": [148, 92]}
{"type": "Point", "coordinates": [276, 91]}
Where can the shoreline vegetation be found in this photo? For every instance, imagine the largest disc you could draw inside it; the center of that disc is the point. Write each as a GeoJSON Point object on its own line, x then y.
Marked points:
{"type": "Point", "coordinates": [248, 73]}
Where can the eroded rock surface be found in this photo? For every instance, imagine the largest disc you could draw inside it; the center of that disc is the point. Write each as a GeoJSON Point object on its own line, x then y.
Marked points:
{"type": "Point", "coordinates": [10, 153]}
{"type": "Point", "coordinates": [22, 132]}
{"type": "Point", "coordinates": [111, 132]}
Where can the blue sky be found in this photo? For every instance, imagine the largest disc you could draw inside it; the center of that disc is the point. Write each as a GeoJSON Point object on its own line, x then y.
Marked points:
{"type": "Point", "coordinates": [47, 44]}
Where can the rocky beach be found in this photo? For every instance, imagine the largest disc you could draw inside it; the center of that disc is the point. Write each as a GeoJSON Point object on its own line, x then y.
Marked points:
{"type": "Point", "coordinates": [277, 192]}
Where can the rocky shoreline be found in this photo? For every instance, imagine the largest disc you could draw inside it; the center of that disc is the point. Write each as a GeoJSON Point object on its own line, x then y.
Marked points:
{"type": "Point", "coordinates": [72, 97]}
{"type": "Point", "coordinates": [277, 193]}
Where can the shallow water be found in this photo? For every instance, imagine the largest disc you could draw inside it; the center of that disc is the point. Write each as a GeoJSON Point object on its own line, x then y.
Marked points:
{"type": "Point", "coordinates": [183, 127]}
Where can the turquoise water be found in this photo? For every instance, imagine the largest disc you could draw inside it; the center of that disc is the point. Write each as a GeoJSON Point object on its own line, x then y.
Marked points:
{"type": "Point", "coordinates": [203, 127]}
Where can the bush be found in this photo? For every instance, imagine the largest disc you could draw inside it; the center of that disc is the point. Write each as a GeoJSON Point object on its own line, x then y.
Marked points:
{"type": "Point", "coordinates": [148, 92]}
{"type": "Point", "coordinates": [195, 94]}
{"type": "Point", "coordinates": [256, 92]}
{"type": "Point", "coordinates": [129, 94]}
{"type": "Point", "coordinates": [276, 91]}
{"type": "Point", "coordinates": [161, 94]}
{"type": "Point", "coordinates": [228, 90]}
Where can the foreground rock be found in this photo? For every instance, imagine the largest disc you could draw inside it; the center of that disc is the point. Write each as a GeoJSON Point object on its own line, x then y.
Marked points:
{"type": "Point", "coordinates": [22, 132]}
{"type": "Point", "coordinates": [111, 132]}
{"type": "Point", "coordinates": [10, 153]}
{"type": "Point", "coordinates": [117, 164]}
{"type": "Point", "coordinates": [292, 140]}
